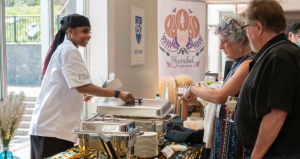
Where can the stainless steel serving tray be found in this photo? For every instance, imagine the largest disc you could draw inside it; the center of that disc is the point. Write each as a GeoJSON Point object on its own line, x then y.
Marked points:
{"type": "Point", "coordinates": [151, 108]}
{"type": "Point", "coordinates": [158, 125]}
{"type": "Point", "coordinates": [121, 132]}
{"type": "Point", "coordinates": [108, 124]}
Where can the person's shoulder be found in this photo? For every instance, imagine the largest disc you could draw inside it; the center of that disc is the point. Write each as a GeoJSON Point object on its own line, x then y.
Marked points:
{"type": "Point", "coordinates": [69, 49]}
{"type": "Point", "coordinates": [286, 50]}
{"type": "Point", "coordinates": [288, 45]}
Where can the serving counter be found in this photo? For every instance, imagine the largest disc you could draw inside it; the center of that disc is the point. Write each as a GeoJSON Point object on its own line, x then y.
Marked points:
{"type": "Point", "coordinates": [119, 131]}
{"type": "Point", "coordinates": [192, 152]}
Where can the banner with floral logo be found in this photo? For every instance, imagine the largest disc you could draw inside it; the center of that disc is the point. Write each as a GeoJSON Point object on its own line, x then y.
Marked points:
{"type": "Point", "coordinates": [181, 35]}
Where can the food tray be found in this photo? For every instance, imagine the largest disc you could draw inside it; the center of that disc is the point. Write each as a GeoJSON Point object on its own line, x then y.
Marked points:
{"type": "Point", "coordinates": [147, 108]}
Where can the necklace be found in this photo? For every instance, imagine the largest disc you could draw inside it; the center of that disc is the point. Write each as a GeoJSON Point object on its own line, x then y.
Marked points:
{"type": "Point", "coordinates": [234, 67]}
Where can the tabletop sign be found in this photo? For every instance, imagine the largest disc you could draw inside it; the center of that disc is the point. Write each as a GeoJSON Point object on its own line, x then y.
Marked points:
{"type": "Point", "coordinates": [167, 151]}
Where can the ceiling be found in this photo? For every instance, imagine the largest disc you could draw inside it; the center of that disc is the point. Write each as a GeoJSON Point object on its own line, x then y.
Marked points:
{"type": "Point", "coordinates": [290, 16]}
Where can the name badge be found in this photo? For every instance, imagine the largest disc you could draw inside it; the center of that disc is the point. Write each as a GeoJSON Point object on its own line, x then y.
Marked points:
{"type": "Point", "coordinates": [218, 110]}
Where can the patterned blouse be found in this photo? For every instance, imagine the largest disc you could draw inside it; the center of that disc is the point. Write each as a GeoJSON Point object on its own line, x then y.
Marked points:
{"type": "Point", "coordinates": [225, 143]}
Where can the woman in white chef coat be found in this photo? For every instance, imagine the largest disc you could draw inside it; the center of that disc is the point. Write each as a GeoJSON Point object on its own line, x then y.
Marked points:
{"type": "Point", "coordinates": [65, 82]}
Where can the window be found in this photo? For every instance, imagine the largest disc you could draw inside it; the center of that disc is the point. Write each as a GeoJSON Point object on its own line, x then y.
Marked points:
{"type": "Point", "coordinates": [23, 43]}
{"type": "Point", "coordinates": [29, 33]}
{"type": "Point", "coordinates": [26, 32]}
{"type": "Point", "coordinates": [216, 12]}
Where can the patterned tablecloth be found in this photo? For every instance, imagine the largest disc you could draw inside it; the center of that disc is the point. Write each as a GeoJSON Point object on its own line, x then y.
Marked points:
{"type": "Point", "coordinates": [73, 153]}
{"type": "Point", "coordinates": [193, 152]}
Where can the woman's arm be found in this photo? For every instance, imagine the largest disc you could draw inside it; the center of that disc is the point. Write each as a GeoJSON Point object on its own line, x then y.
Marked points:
{"type": "Point", "coordinates": [94, 90]}
{"type": "Point", "coordinates": [231, 88]}
{"type": "Point", "coordinates": [78, 77]}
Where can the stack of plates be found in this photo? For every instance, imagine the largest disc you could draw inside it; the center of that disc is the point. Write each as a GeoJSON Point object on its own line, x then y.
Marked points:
{"type": "Point", "coordinates": [146, 145]}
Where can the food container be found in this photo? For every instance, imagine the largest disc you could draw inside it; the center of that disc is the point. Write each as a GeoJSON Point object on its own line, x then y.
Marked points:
{"type": "Point", "coordinates": [158, 125]}
{"type": "Point", "coordinates": [150, 114]}
{"type": "Point", "coordinates": [151, 108]}
{"type": "Point", "coordinates": [108, 124]}
{"type": "Point", "coordinates": [119, 133]}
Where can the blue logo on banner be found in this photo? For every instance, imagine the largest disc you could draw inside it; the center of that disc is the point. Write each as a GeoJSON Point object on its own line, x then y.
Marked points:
{"type": "Point", "coordinates": [138, 29]}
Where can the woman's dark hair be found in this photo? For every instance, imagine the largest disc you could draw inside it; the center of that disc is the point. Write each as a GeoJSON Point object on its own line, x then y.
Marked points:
{"type": "Point", "coordinates": [69, 21]}
{"type": "Point", "coordinates": [59, 38]}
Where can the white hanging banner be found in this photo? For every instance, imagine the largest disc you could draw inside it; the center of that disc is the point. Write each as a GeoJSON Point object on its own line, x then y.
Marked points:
{"type": "Point", "coordinates": [181, 35]}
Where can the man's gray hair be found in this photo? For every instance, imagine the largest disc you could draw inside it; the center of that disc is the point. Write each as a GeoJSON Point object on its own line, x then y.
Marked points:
{"type": "Point", "coordinates": [232, 28]}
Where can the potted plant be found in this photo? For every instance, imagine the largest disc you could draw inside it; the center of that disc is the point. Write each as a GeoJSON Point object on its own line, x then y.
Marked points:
{"type": "Point", "coordinates": [11, 114]}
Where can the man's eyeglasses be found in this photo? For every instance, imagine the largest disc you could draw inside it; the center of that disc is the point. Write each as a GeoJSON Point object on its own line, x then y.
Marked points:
{"type": "Point", "coordinates": [297, 36]}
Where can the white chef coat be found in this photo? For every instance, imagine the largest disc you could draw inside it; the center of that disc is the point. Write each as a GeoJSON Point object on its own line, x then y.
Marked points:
{"type": "Point", "coordinates": [58, 107]}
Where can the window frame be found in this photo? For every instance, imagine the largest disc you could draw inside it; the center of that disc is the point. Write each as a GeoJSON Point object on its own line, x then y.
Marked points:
{"type": "Point", "coordinates": [47, 12]}
{"type": "Point", "coordinates": [3, 57]}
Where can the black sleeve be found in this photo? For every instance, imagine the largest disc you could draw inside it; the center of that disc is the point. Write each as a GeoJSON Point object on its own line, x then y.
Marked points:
{"type": "Point", "coordinates": [276, 86]}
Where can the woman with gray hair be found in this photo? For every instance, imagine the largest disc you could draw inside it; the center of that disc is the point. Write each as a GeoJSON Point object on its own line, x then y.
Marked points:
{"type": "Point", "coordinates": [235, 45]}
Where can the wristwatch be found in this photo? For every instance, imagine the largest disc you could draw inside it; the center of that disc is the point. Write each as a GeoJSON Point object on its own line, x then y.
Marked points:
{"type": "Point", "coordinates": [117, 93]}
{"type": "Point", "coordinates": [189, 89]}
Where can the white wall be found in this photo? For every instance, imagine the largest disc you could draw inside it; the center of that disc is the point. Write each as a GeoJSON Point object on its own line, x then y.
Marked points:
{"type": "Point", "coordinates": [98, 46]}
{"type": "Point", "coordinates": [45, 28]}
{"type": "Point", "coordinates": [140, 80]}
{"type": "Point", "coordinates": [110, 44]}
{"type": "Point", "coordinates": [109, 49]}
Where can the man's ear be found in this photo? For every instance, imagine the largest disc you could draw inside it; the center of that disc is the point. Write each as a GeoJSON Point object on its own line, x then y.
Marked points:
{"type": "Point", "coordinates": [259, 27]}
{"type": "Point", "coordinates": [291, 34]}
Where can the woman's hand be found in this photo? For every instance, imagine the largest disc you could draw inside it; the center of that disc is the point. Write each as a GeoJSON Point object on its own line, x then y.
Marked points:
{"type": "Point", "coordinates": [229, 111]}
{"type": "Point", "coordinates": [127, 97]}
{"type": "Point", "coordinates": [188, 96]}
{"type": "Point", "coordinates": [87, 98]}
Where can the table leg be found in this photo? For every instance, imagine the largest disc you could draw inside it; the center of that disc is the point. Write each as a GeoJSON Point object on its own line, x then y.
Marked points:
{"type": "Point", "coordinates": [184, 110]}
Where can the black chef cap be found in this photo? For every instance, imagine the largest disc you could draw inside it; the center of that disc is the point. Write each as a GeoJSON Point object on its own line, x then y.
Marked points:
{"type": "Point", "coordinates": [73, 21]}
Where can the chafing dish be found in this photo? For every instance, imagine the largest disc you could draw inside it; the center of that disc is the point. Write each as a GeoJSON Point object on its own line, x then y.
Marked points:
{"type": "Point", "coordinates": [158, 125]}
{"type": "Point", "coordinates": [104, 132]}
{"type": "Point", "coordinates": [150, 114]}
{"type": "Point", "coordinates": [152, 108]}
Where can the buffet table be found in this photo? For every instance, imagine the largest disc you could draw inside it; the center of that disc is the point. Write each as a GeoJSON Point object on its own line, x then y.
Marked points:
{"type": "Point", "coordinates": [193, 152]}
{"type": "Point", "coordinates": [143, 128]}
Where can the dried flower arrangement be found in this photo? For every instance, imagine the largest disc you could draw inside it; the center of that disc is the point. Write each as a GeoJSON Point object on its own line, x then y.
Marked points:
{"type": "Point", "coordinates": [11, 114]}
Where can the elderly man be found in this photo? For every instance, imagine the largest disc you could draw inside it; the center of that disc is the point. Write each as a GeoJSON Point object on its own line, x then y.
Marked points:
{"type": "Point", "coordinates": [293, 33]}
{"type": "Point", "coordinates": [267, 115]}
